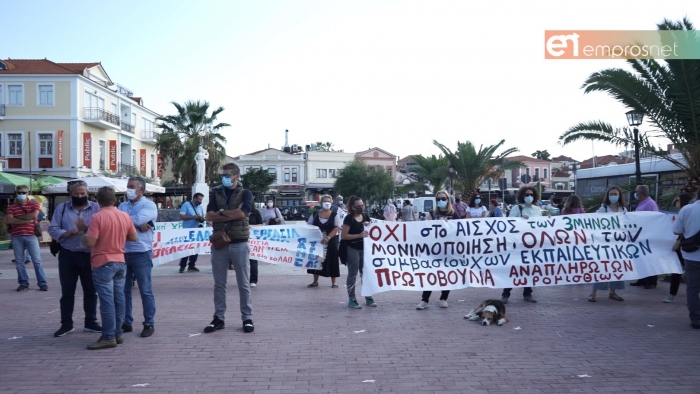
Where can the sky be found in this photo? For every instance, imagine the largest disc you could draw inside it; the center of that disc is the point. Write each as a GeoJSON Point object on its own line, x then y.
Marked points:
{"type": "Point", "coordinates": [390, 74]}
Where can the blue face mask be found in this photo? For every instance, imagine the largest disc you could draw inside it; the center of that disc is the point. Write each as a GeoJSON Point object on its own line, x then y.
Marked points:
{"type": "Point", "coordinates": [477, 201]}
{"type": "Point", "coordinates": [442, 204]}
{"type": "Point", "coordinates": [226, 181]}
{"type": "Point", "coordinates": [614, 199]}
{"type": "Point", "coordinates": [529, 199]}
{"type": "Point", "coordinates": [636, 197]}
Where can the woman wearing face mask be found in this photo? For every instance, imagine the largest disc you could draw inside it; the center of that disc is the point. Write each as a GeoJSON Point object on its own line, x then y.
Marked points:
{"type": "Point", "coordinates": [476, 210]}
{"type": "Point", "coordinates": [525, 208]}
{"type": "Point", "coordinates": [329, 223]}
{"type": "Point", "coordinates": [444, 211]}
{"type": "Point", "coordinates": [682, 200]}
{"type": "Point", "coordinates": [271, 215]}
{"type": "Point", "coordinates": [612, 203]}
{"type": "Point", "coordinates": [353, 234]}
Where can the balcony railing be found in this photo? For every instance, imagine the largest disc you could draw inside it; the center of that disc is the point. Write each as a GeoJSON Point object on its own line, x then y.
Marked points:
{"type": "Point", "coordinates": [2, 109]}
{"type": "Point", "coordinates": [128, 169]}
{"type": "Point", "coordinates": [148, 134]}
{"type": "Point", "coordinates": [101, 114]}
{"type": "Point", "coordinates": [128, 127]}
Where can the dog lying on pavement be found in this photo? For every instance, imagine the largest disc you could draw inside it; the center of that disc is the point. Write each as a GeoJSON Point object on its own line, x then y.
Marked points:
{"type": "Point", "coordinates": [488, 312]}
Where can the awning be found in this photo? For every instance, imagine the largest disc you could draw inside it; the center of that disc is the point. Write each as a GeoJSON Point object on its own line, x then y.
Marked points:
{"type": "Point", "coordinates": [319, 186]}
{"type": "Point", "coordinates": [96, 182]}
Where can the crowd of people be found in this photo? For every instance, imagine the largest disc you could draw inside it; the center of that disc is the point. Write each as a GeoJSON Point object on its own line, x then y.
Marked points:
{"type": "Point", "coordinates": [108, 247]}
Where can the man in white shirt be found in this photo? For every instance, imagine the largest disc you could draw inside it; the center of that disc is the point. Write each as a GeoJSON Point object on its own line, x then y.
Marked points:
{"type": "Point", "coordinates": [688, 224]}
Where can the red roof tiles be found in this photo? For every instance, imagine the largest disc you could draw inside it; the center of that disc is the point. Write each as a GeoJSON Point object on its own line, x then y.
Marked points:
{"type": "Point", "coordinates": [43, 66]}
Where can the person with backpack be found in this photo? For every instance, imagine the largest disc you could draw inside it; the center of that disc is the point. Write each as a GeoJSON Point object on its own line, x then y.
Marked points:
{"type": "Point", "coordinates": [687, 224]}
{"type": "Point", "coordinates": [526, 208]}
{"type": "Point", "coordinates": [192, 216]}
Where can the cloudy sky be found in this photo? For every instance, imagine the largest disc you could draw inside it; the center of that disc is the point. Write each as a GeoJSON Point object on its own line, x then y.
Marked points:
{"type": "Point", "coordinates": [391, 74]}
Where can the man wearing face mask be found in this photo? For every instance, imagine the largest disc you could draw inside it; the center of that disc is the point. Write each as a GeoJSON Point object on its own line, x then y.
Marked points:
{"type": "Point", "coordinates": [69, 222]}
{"type": "Point", "coordinates": [192, 216]}
{"type": "Point", "coordinates": [229, 210]}
{"type": "Point", "coordinates": [641, 194]}
{"type": "Point", "coordinates": [137, 255]}
{"type": "Point", "coordinates": [460, 206]}
{"type": "Point", "coordinates": [22, 216]}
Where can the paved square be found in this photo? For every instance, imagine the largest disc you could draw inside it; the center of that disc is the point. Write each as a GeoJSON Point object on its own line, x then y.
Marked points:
{"type": "Point", "coordinates": [307, 341]}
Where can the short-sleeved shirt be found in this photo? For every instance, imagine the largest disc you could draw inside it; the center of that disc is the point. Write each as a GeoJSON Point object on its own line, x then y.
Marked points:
{"type": "Point", "coordinates": [18, 209]}
{"type": "Point", "coordinates": [477, 212]}
{"type": "Point", "coordinates": [110, 227]}
{"type": "Point", "coordinates": [355, 228]}
{"type": "Point", "coordinates": [647, 205]}
{"type": "Point", "coordinates": [188, 209]}
{"type": "Point", "coordinates": [531, 211]}
{"type": "Point", "coordinates": [688, 223]}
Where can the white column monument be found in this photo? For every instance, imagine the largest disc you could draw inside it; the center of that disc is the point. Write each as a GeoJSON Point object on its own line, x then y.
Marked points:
{"type": "Point", "coordinates": [200, 184]}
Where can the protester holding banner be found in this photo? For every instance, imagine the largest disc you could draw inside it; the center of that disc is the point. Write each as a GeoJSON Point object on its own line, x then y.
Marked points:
{"type": "Point", "coordinates": [444, 211]}
{"type": "Point", "coordinates": [682, 200]}
{"type": "Point", "coordinates": [254, 220]}
{"type": "Point", "coordinates": [641, 194]}
{"type": "Point", "coordinates": [192, 216]}
{"type": "Point", "coordinates": [353, 232]}
{"type": "Point", "coordinates": [613, 203]}
{"type": "Point", "coordinates": [526, 208]}
{"type": "Point", "coordinates": [687, 224]}
{"type": "Point", "coordinates": [271, 215]}
{"type": "Point", "coordinates": [329, 223]}
{"type": "Point", "coordinates": [476, 209]}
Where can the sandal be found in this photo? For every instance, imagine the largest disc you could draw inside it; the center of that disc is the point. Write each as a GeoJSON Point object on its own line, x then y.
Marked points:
{"type": "Point", "coordinates": [312, 285]}
{"type": "Point", "coordinates": [334, 286]}
{"type": "Point", "coordinates": [591, 298]}
{"type": "Point", "coordinates": [615, 297]}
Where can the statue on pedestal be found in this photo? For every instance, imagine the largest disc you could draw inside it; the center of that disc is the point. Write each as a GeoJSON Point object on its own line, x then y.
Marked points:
{"type": "Point", "coordinates": [200, 157]}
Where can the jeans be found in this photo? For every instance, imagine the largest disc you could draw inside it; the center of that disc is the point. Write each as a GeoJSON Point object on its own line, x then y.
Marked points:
{"type": "Point", "coordinates": [692, 281]}
{"type": "Point", "coordinates": [71, 267]}
{"type": "Point", "coordinates": [193, 260]}
{"type": "Point", "coordinates": [30, 243]}
{"type": "Point", "coordinates": [253, 271]}
{"type": "Point", "coordinates": [527, 292]}
{"type": "Point", "coordinates": [109, 283]}
{"type": "Point", "coordinates": [443, 295]}
{"type": "Point", "coordinates": [236, 254]}
{"type": "Point", "coordinates": [139, 265]}
{"type": "Point", "coordinates": [355, 262]}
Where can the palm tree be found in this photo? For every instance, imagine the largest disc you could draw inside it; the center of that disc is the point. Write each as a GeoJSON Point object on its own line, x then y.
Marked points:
{"type": "Point", "coordinates": [184, 132]}
{"type": "Point", "coordinates": [325, 146]}
{"type": "Point", "coordinates": [669, 96]}
{"type": "Point", "coordinates": [433, 169]}
{"type": "Point", "coordinates": [542, 155]}
{"type": "Point", "coordinates": [472, 167]}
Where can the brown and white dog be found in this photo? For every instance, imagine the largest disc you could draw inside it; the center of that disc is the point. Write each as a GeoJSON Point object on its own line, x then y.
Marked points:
{"type": "Point", "coordinates": [488, 312]}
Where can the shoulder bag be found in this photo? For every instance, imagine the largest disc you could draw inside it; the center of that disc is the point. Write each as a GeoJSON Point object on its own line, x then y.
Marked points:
{"type": "Point", "coordinates": [55, 246]}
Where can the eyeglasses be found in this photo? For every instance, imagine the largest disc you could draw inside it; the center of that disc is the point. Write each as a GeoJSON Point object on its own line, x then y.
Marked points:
{"type": "Point", "coordinates": [529, 194]}
{"type": "Point", "coordinates": [442, 199]}
{"type": "Point", "coordinates": [21, 192]}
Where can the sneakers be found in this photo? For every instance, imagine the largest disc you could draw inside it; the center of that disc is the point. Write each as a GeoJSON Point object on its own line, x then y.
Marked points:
{"type": "Point", "coordinates": [119, 340]}
{"type": "Point", "coordinates": [127, 328]}
{"type": "Point", "coordinates": [248, 326]}
{"type": "Point", "coordinates": [253, 285]}
{"type": "Point", "coordinates": [669, 299]}
{"type": "Point", "coordinates": [147, 331]}
{"type": "Point", "coordinates": [44, 288]}
{"type": "Point", "coordinates": [443, 303]}
{"type": "Point", "coordinates": [370, 302]}
{"type": "Point", "coordinates": [23, 288]}
{"type": "Point", "coordinates": [182, 270]}
{"type": "Point", "coordinates": [530, 299]}
{"type": "Point", "coordinates": [504, 300]}
{"type": "Point", "coordinates": [422, 305]}
{"type": "Point", "coordinates": [216, 324]}
{"type": "Point", "coordinates": [353, 304]}
{"type": "Point", "coordinates": [63, 331]}
{"type": "Point", "coordinates": [94, 327]}
{"type": "Point", "coordinates": [103, 344]}
{"type": "Point", "coordinates": [193, 269]}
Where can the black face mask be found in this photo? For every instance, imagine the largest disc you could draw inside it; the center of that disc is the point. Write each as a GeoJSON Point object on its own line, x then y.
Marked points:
{"type": "Point", "coordinates": [358, 210]}
{"type": "Point", "coordinates": [79, 201]}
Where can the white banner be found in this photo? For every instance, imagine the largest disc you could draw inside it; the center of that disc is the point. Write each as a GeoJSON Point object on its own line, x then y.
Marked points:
{"type": "Point", "coordinates": [517, 252]}
{"type": "Point", "coordinates": [293, 245]}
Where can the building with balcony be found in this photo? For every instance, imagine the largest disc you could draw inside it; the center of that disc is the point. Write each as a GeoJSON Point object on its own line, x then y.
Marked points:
{"type": "Point", "coordinates": [71, 120]}
{"type": "Point", "coordinates": [322, 169]}
{"type": "Point", "coordinates": [289, 170]}
{"type": "Point", "coordinates": [380, 158]}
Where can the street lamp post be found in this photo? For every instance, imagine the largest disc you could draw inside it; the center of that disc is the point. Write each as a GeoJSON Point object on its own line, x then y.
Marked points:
{"type": "Point", "coordinates": [634, 118]}
{"type": "Point", "coordinates": [451, 169]}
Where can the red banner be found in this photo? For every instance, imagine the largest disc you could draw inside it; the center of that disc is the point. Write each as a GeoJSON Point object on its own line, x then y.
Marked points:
{"type": "Point", "coordinates": [60, 147]}
{"type": "Point", "coordinates": [87, 150]}
{"type": "Point", "coordinates": [159, 165]}
{"type": "Point", "coordinates": [142, 162]}
{"type": "Point", "coordinates": [113, 155]}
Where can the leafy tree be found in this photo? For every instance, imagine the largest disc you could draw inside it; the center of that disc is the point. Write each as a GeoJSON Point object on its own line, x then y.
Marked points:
{"type": "Point", "coordinates": [182, 134]}
{"type": "Point", "coordinates": [473, 167]}
{"type": "Point", "coordinates": [258, 181]}
{"type": "Point", "coordinates": [371, 183]}
{"type": "Point", "coordinates": [325, 146]}
{"type": "Point", "coordinates": [433, 169]}
{"type": "Point", "coordinates": [667, 93]}
{"type": "Point", "coordinates": [542, 155]}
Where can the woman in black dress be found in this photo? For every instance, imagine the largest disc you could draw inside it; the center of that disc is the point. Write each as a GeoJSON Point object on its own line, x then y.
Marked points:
{"type": "Point", "coordinates": [329, 223]}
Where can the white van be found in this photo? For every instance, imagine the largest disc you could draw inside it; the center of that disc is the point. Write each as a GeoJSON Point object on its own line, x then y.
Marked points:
{"type": "Point", "coordinates": [423, 205]}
